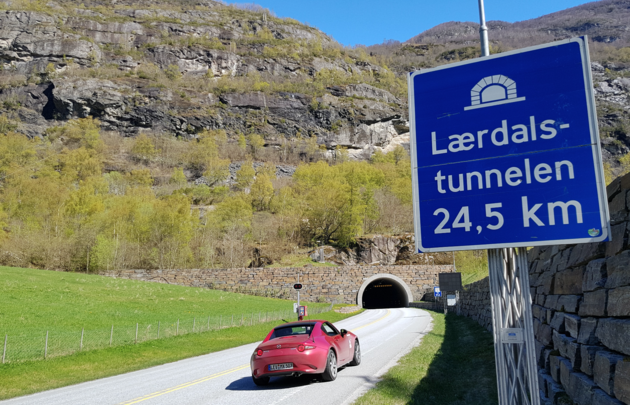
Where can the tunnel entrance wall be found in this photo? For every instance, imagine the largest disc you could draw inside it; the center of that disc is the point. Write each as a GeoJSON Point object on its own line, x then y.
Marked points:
{"type": "Point", "coordinates": [325, 284]}
{"type": "Point", "coordinates": [401, 288]}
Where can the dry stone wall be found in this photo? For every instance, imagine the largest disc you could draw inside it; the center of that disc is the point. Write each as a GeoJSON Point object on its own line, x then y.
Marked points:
{"type": "Point", "coordinates": [475, 303]}
{"type": "Point", "coordinates": [324, 284]}
{"type": "Point", "coordinates": [581, 310]}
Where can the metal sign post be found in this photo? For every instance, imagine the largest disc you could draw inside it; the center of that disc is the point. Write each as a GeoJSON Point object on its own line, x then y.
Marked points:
{"type": "Point", "coordinates": [517, 377]}
{"type": "Point", "coordinates": [506, 155]}
{"type": "Point", "coordinates": [298, 287]}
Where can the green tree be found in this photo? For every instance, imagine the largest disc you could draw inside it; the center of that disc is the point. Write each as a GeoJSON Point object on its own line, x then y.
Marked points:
{"type": "Point", "coordinates": [178, 177]}
{"type": "Point", "coordinates": [143, 149]}
{"type": "Point", "coordinates": [245, 176]}
{"type": "Point", "coordinates": [262, 192]}
{"type": "Point", "coordinates": [242, 141]}
{"type": "Point", "coordinates": [256, 143]}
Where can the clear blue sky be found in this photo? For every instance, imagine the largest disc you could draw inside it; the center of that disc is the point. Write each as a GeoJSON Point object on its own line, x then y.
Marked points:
{"type": "Point", "coordinates": [370, 22]}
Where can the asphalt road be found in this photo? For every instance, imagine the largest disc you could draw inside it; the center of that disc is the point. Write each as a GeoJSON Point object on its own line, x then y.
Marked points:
{"type": "Point", "coordinates": [223, 378]}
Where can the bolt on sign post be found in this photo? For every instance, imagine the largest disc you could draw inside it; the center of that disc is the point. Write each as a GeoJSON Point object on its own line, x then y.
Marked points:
{"type": "Point", "coordinates": [506, 155]}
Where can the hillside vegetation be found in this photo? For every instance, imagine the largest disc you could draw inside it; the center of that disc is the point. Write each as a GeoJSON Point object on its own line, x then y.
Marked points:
{"type": "Point", "coordinates": [196, 134]}
{"type": "Point", "coordinates": [62, 209]}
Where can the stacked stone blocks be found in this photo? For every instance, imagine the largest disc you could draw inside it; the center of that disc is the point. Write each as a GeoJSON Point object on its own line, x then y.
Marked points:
{"type": "Point", "coordinates": [581, 311]}
{"type": "Point", "coordinates": [475, 303]}
{"type": "Point", "coordinates": [324, 284]}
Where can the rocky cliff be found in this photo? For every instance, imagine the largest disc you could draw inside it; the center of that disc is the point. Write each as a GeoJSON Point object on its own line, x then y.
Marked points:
{"type": "Point", "coordinates": [184, 67]}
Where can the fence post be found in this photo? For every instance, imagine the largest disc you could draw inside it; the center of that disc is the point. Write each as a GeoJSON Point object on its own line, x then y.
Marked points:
{"type": "Point", "coordinates": [232, 322]}
{"type": "Point", "coordinates": [158, 329]}
{"type": "Point", "coordinates": [251, 321]}
{"type": "Point", "coordinates": [111, 336]}
{"type": "Point", "coordinates": [4, 352]}
{"type": "Point", "coordinates": [46, 346]}
{"type": "Point", "coordinates": [220, 317]}
{"type": "Point", "coordinates": [194, 321]}
{"type": "Point", "coordinates": [81, 344]}
{"type": "Point", "coordinates": [242, 315]}
{"type": "Point", "coordinates": [136, 342]}
{"type": "Point", "coordinates": [177, 330]}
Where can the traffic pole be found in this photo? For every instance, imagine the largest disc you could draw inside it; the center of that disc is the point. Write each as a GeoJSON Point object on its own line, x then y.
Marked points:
{"type": "Point", "coordinates": [298, 308]}
{"type": "Point", "coordinates": [483, 31]}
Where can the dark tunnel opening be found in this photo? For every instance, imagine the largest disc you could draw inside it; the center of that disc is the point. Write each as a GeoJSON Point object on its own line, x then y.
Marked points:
{"type": "Point", "coordinates": [384, 293]}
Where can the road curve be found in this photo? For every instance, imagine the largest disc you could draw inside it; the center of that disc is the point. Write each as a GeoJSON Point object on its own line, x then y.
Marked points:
{"type": "Point", "coordinates": [223, 378]}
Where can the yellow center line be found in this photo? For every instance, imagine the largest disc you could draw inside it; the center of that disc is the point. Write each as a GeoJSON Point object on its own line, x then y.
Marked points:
{"type": "Point", "coordinates": [213, 376]}
{"type": "Point", "coordinates": [372, 323]}
{"type": "Point", "coordinates": [185, 385]}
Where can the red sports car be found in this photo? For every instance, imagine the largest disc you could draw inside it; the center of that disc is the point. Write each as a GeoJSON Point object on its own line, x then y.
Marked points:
{"type": "Point", "coordinates": [306, 347]}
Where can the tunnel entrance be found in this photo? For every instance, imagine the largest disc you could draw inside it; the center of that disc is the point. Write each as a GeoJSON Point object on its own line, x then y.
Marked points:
{"type": "Point", "coordinates": [384, 291]}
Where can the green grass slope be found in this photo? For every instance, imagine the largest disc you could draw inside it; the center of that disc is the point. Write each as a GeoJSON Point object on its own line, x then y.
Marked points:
{"type": "Point", "coordinates": [39, 300]}
{"type": "Point", "coordinates": [453, 365]}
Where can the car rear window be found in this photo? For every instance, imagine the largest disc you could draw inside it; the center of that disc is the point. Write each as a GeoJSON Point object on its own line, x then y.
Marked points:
{"type": "Point", "coordinates": [293, 330]}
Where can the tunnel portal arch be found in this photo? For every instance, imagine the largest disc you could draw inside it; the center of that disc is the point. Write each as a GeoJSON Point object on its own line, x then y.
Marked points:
{"type": "Point", "coordinates": [384, 291]}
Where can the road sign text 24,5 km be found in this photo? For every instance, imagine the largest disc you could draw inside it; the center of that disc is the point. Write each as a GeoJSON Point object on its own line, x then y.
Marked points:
{"type": "Point", "coordinates": [506, 151]}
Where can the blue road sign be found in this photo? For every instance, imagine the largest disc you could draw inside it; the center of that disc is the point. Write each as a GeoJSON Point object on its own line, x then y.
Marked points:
{"type": "Point", "coordinates": [506, 153]}
{"type": "Point", "coordinates": [437, 292]}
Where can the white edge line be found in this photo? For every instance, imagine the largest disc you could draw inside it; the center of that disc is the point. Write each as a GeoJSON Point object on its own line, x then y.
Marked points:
{"type": "Point", "coordinates": [369, 385]}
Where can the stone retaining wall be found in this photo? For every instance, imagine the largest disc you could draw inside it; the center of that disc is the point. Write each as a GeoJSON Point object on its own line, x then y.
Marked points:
{"type": "Point", "coordinates": [324, 284]}
{"type": "Point", "coordinates": [475, 302]}
{"type": "Point", "coordinates": [581, 309]}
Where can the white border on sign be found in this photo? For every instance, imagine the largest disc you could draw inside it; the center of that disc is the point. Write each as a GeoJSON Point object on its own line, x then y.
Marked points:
{"type": "Point", "coordinates": [595, 147]}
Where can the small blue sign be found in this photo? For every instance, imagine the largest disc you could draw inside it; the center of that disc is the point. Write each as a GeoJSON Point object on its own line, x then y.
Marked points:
{"type": "Point", "coordinates": [506, 152]}
{"type": "Point", "coordinates": [437, 292]}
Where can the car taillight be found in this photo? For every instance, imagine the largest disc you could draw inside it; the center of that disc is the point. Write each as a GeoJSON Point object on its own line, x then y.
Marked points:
{"type": "Point", "coordinates": [259, 352]}
{"type": "Point", "coordinates": [300, 348]}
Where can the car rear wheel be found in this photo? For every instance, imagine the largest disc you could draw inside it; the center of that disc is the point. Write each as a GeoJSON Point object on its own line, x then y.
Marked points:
{"type": "Point", "coordinates": [356, 360]}
{"type": "Point", "coordinates": [261, 381]}
{"type": "Point", "coordinates": [330, 374]}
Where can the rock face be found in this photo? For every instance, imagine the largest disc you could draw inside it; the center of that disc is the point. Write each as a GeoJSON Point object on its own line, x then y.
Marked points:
{"type": "Point", "coordinates": [152, 66]}
{"type": "Point", "coordinates": [381, 250]}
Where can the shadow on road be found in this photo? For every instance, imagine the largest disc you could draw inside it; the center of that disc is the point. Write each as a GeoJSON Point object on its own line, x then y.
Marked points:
{"type": "Point", "coordinates": [276, 383]}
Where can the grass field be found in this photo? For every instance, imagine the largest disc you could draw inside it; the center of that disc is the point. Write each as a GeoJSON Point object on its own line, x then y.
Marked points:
{"type": "Point", "coordinates": [17, 379]}
{"type": "Point", "coordinates": [39, 300]}
{"type": "Point", "coordinates": [453, 365]}
{"type": "Point", "coordinates": [65, 304]}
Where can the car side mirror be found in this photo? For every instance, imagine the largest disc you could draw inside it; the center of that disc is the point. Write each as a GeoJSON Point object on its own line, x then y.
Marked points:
{"type": "Point", "coordinates": [343, 332]}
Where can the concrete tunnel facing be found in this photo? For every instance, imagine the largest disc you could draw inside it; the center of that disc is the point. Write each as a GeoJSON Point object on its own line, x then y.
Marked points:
{"type": "Point", "coordinates": [384, 291]}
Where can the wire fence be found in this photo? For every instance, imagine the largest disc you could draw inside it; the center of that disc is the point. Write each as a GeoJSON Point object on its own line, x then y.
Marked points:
{"type": "Point", "coordinates": [48, 344]}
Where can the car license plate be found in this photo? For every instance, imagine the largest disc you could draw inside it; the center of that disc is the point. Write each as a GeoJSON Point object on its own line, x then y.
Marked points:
{"type": "Point", "coordinates": [282, 366]}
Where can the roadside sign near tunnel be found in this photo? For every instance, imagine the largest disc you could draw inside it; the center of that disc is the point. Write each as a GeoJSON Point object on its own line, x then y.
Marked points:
{"type": "Point", "coordinates": [505, 151]}
{"type": "Point", "coordinates": [450, 282]}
